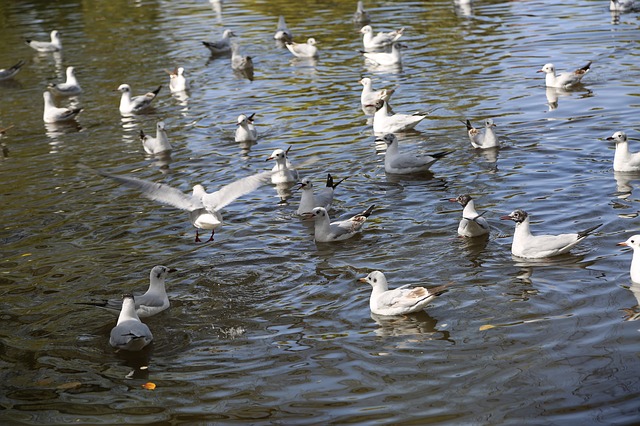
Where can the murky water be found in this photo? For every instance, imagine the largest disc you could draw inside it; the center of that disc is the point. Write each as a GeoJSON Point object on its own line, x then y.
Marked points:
{"type": "Point", "coordinates": [266, 326]}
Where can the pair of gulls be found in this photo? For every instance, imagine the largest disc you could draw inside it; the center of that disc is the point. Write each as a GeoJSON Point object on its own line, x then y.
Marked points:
{"type": "Point", "coordinates": [224, 46]}
{"type": "Point", "coordinates": [54, 114]}
{"type": "Point", "coordinates": [299, 50]}
{"type": "Point", "coordinates": [383, 48]}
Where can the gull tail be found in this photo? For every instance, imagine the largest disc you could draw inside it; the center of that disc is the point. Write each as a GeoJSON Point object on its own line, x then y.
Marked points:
{"type": "Point", "coordinates": [330, 183]}
{"type": "Point", "coordinates": [142, 135]}
{"type": "Point", "coordinates": [18, 65]}
{"type": "Point", "coordinates": [155, 92]}
{"type": "Point", "coordinates": [368, 211]}
{"type": "Point", "coordinates": [437, 291]}
{"type": "Point", "coordinates": [586, 232]}
{"type": "Point", "coordinates": [250, 118]}
{"type": "Point", "coordinates": [468, 124]}
{"type": "Point", "coordinates": [584, 69]}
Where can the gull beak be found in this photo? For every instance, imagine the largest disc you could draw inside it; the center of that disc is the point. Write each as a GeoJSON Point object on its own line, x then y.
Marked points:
{"type": "Point", "coordinates": [539, 71]}
{"type": "Point", "coordinates": [308, 215]}
{"type": "Point", "coordinates": [507, 217]}
{"type": "Point", "coordinates": [453, 200]}
{"type": "Point", "coordinates": [610, 138]}
{"type": "Point", "coordinates": [172, 270]}
{"type": "Point", "coordinates": [362, 280]}
{"type": "Point", "coordinates": [269, 158]}
{"type": "Point", "coordinates": [624, 243]}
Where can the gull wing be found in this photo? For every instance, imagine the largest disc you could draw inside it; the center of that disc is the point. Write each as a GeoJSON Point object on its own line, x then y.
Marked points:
{"type": "Point", "coordinates": [229, 193]}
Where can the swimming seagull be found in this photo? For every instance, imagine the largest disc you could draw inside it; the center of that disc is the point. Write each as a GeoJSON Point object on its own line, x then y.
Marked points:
{"type": "Point", "coordinates": [565, 79]}
{"type": "Point", "coordinates": [69, 87]}
{"type": "Point", "coordinates": [154, 301]}
{"type": "Point", "coordinates": [158, 144]}
{"type": "Point", "coordinates": [47, 46]}
{"type": "Point", "coordinates": [472, 224]}
{"type": "Point", "coordinates": [622, 5]}
{"type": "Point", "coordinates": [239, 62]}
{"type": "Point", "coordinates": [283, 33]}
{"type": "Point", "coordinates": [309, 200]}
{"type": "Point", "coordinates": [53, 114]}
{"type": "Point", "coordinates": [177, 80]}
{"type": "Point", "coordinates": [480, 140]}
{"type": "Point", "coordinates": [623, 159]}
{"type": "Point", "coordinates": [540, 246]}
{"type": "Point", "coordinates": [386, 58]}
{"type": "Point", "coordinates": [283, 171]}
{"type": "Point", "coordinates": [385, 122]}
{"type": "Point", "coordinates": [8, 73]}
{"type": "Point", "coordinates": [221, 46]}
{"type": "Point", "coordinates": [327, 231]}
{"type": "Point", "coordinates": [129, 105]}
{"type": "Point", "coordinates": [304, 50]}
{"type": "Point", "coordinates": [245, 130]}
{"type": "Point", "coordinates": [380, 40]}
{"type": "Point", "coordinates": [397, 162]}
{"type": "Point", "coordinates": [399, 301]}
{"type": "Point", "coordinates": [634, 243]}
{"type": "Point", "coordinates": [369, 96]}
{"type": "Point", "coordinates": [204, 208]}
{"type": "Point", "coordinates": [130, 333]}
{"type": "Point", "coordinates": [361, 16]}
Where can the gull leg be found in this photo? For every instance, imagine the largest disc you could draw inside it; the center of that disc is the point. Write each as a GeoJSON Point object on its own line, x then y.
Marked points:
{"type": "Point", "coordinates": [211, 237]}
{"type": "Point", "coordinates": [197, 237]}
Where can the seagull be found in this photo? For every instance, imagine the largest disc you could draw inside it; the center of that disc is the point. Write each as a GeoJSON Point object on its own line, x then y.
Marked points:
{"type": "Point", "coordinates": [304, 50]}
{"type": "Point", "coordinates": [485, 140]}
{"type": "Point", "coordinates": [282, 171]}
{"type": "Point", "coordinates": [130, 333]}
{"type": "Point", "coordinates": [361, 16]}
{"type": "Point", "coordinates": [380, 40]}
{"type": "Point", "coordinates": [399, 163]}
{"type": "Point", "coordinates": [221, 46]}
{"type": "Point", "coordinates": [622, 5]}
{"type": "Point", "coordinates": [384, 122]}
{"type": "Point", "coordinates": [283, 33]}
{"type": "Point", "coordinates": [129, 105]}
{"type": "Point", "coordinates": [158, 144]}
{"type": "Point", "coordinates": [324, 198]}
{"type": "Point", "coordinates": [634, 243]}
{"type": "Point", "coordinates": [204, 208]}
{"type": "Point", "coordinates": [565, 79]}
{"type": "Point", "coordinates": [623, 160]}
{"type": "Point", "coordinates": [399, 301]}
{"type": "Point", "coordinates": [246, 131]}
{"type": "Point", "coordinates": [8, 73]}
{"type": "Point", "coordinates": [540, 246]}
{"type": "Point", "coordinates": [369, 96]}
{"type": "Point", "coordinates": [47, 46]}
{"type": "Point", "coordinates": [53, 114]}
{"type": "Point", "coordinates": [327, 231]}
{"type": "Point", "coordinates": [69, 87]}
{"type": "Point", "coordinates": [472, 224]}
{"type": "Point", "coordinates": [239, 62]}
{"type": "Point", "coordinates": [386, 58]}
{"type": "Point", "coordinates": [177, 81]}
{"type": "Point", "coordinates": [154, 301]}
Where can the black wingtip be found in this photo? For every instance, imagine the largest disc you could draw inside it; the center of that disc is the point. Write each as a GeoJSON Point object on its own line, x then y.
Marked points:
{"type": "Point", "coordinates": [586, 232]}
{"type": "Point", "coordinates": [468, 124]}
{"type": "Point", "coordinates": [586, 67]}
{"type": "Point", "coordinates": [441, 154]}
{"type": "Point", "coordinates": [155, 92]}
{"type": "Point", "coordinates": [142, 134]}
{"type": "Point", "coordinates": [368, 211]}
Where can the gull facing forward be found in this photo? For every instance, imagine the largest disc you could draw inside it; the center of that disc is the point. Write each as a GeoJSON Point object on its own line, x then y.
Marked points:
{"type": "Point", "coordinates": [480, 140]}
{"type": "Point", "coordinates": [399, 301]}
{"type": "Point", "coordinates": [327, 231]}
{"type": "Point", "coordinates": [245, 130]}
{"type": "Point", "coordinates": [565, 79]}
{"type": "Point", "coordinates": [130, 333]}
{"type": "Point", "coordinates": [158, 144]}
{"type": "Point", "coordinates": [177, 81]}
{"type": "Point", "coordinates": [541, 246]}
{"type": "Point", "coordinates": [309, 200]}
{"type": "Point", "coordinates": [283, 171]}
{"type": "Point", "coordinates": [623, 159]}
{"type": "Point", "coordinates": [136, 104]}
{"type": "Point", "coordinates": [397, 162]}
{"type": "Point", "coordinates": [472, 224]}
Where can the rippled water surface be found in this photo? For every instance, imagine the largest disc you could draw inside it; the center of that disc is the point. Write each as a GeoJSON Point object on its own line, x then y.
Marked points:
{"type": "Point", "coordinates": [265, 325]}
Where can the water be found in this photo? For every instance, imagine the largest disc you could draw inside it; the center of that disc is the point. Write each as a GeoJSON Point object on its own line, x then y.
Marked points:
{"type": "Point", "coordinates": [267, 327]}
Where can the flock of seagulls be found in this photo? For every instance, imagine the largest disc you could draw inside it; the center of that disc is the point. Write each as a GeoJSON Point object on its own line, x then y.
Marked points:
{"type": "Point", "coordinates": [204, 208]}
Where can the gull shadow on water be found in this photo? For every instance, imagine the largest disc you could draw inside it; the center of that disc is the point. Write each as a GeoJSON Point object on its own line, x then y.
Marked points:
{"type": "Point", "coordinates": [375, 68]}
{"type": "Point", "coordinates": [633, 313]}
{"type": "Point", "coordinates": [137, 361]}
{"type": "Point", "coordinates": [162, 161]}
{"type": "Point", "coordinates": [553, 94]}
{"type": "Point", "coordinates": [55, 132]}
{"type": "Point", "coordinates": [216, 6]}
{"type": "Point", "coordinates": [245, 148]}
{"type": "Point", "coordinates": [490, 155]}
{"type": "Point", "coordinates": [568, 260]}
{"type": "Point", "coordinates": [474, 248]}
{"type": "Point", "coordinates": [419, 323]}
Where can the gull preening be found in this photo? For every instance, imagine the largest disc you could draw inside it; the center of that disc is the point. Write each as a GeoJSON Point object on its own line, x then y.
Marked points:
{"type": "Point", "coordinates": [158, 144]}
{"type": "Point", "coordinates": [153, 301]}
{"type": "Point", "coordinates": [624, 160]}
{"type": "Point", "coordinates": [541, 246]}
{"type": "Point", "coordinates": [634, 243]}
{"type": "Point", "coordinates": [221, 46]}
{"type": "Point", "coordinates": [136, 104]}
{"type": "Point", "coordinates": [177, 81]}
{"type": "Point", "coordinates": [203, 208]}
{"type": "Point", "coordinates": [399, 301]}
{"type": "Point", "coordinates": [71, 87]}
{"type": "Point", "coordinates": [386, 122]}
{"type": "Point", "coordinates": [472, 223]}
{"type": "Point", "coordinates": [380, 40]}
{"type": "Point", "coordinates": [303, 50]}
{"type": "Point", "coordinates": [283, 171]}
{"type": "Point", "coordinates": [327, 231]}
{"type": "Point", "coordinates": [361, 16]}
{"type": "Point", "coordinates": [245, 130]}
{"type": "Point", "coordinates": [55, 45]}
{"type": "Point", "coordinates": [54, 114]}
{"type": "Point", "coordinates": [386, 58]}
{"type": "Point", "coordinates": [130, 333]}
{"type": "Point", "coordinates": [396, 162]}
{"type": "Point", "coordinates": [283, 33]}
{"type": "Point", "coordinates": [324, 198]}
{"type": "Point", "coordinates": [565, 79]}
{"type": "Point", "coordinates": [369, 96]}
{"type": "Point", "coordinates": [7, 73]}
{"type": "Point", "coordinates": [481, 140]}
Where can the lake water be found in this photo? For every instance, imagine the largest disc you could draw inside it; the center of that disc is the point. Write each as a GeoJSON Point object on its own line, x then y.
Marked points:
{"type": "Point", "coordinates": [266, 326]}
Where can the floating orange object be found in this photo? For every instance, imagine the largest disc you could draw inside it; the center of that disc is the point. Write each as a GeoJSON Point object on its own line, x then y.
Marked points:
{"type": "Point", "coordinates": [149, 385]}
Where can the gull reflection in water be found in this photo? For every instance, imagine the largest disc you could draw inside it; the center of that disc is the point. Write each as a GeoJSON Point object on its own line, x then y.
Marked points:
{"type": "Point", "coordinates": [419, 323]}
{"type": "Point", "coordinates": [55, 131]}
{"type": "Point", "coordinates": [633, 313]}
{"type": "Point", "coordinates": [623, 183]}
{"type": "Point", "coordinates": [216, 6]}
{"type": "Point", "coordinates": [137, 361]}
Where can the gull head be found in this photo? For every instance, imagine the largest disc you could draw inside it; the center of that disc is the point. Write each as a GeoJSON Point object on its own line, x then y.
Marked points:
{"type": "Point", "coordinates": [305, 184]}
{"type": "Point", "coordinates": [124, 88]}
{"type": "Point", "coordinates": [389, 138]}
{"type": "Point", "coordinates": [278, 155]}
{"type": "Point", "coordinates": [311, 41]}
{"type": "Point", "coordinates": [618, 137]}
{"type": "Point", "coordinates": [376, 279]}
{"type": "Point", "coordinates": [180, 71]}
{"type": "Point", "coordinates": [489, 122]}
{"type": "Point", "coordinates": [160, 125]}
{"type": "Point", "coordinates": [55, 34]}
{"type": "Point", "coordinates": [318, 213]}
{"type": "Point", "coordinates": [366, 29]}
{"type": "Point", "coordinates": [242, 119]}
{"type": "Point", "coordinates": [632, 242]}
{"type": "Point", "coordinates": [463, 200]}
{"type": "Point", "coordinates": [548, 69]}
{"type": "Point", "coordinates": [228, 33]}
{"type": "Point", "coordinates": [160, 272]}
{"type": "Point", "coordinates": [518, 216]}
{"type": "Point", "coordinates": [365, 81]}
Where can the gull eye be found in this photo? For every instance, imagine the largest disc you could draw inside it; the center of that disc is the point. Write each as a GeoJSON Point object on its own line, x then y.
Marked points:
{"type": "Point", "coordinates": [375, 280]}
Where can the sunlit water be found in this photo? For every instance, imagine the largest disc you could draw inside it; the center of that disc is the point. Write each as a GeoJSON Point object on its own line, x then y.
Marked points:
{"type": "Point", "coordinates": [265, 325]}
